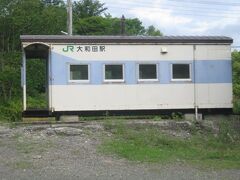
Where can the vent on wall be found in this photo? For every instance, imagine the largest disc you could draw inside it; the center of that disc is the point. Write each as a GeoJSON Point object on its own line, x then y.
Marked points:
{"type": "Point", "coordinates": [164, 50]}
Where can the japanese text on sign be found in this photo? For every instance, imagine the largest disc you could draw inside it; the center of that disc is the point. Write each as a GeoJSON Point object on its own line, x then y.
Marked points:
{"type": "Point", "coordinates": [86, 48]}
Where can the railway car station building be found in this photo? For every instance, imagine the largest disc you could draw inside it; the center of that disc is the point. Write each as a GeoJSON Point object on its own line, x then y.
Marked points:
{"type": "Point", "coordinates": [132, 73]}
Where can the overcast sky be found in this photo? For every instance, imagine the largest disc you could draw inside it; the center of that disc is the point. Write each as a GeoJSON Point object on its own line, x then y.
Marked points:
{"type": "Point", "coordinates": [183, 17]}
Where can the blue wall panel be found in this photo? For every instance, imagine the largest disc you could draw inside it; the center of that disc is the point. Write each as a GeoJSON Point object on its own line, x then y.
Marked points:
{"type": "Point", "coordinates": [213, 71]}
{"type": "Point", "coordinates": [96, 73]}
{"type": "Point", "coordinates": [207, 71]}
{"type": "Point", "coordinates": [130, 72]}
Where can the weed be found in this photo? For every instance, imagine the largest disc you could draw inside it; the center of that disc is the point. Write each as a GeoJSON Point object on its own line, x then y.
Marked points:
{"type": "Point", "coordinates": [157, 118]}
{"type": "Point", "coordinates": [27, 146]}
{"type": "Point", "coordinates": [37, 101]}
{"type": "Point", "coordinates": [76, 152]}
{"type": "Point", "coordinates": [236, 106]}
{"type": "Point", "coordinates": [107, 114]}
{"type": "Point", "coordinates": [11, 111]}
{"type": "Point", "coordinates": [22, 165]}
{"type": "Point", "coordinates": [149, 144]}
{"type": "Point", "coordinates": [229, 131]}
{"type": "Point", "coordinates": [177, 115]}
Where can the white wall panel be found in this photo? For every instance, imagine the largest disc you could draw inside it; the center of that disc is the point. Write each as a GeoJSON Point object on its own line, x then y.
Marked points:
{"type": "Point", "coordinates": [214, 95]}
{"type": "Point", "coordinates": [122, 97]}
{"type": "Point", "coordinates": [130, 52]}
{"type": "Point", "coordinates": [213, 52]}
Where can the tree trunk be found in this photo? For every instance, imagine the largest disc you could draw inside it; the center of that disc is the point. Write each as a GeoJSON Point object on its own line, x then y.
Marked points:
{"type": "Point", "coordinates": [13, 40]}
{"type": "Point", "coordinates": [3, 43]}
{"type": "Point", "coordinates": [8, 45]}
{"type": "Point", "coordinates": [10, 91]}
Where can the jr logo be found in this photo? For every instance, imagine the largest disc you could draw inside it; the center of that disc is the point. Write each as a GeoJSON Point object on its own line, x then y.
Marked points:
{"type": "Point", "coordinates": [68, 48]}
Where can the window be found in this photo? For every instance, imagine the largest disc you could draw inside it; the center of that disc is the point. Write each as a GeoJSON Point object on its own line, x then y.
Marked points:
{"type": "Point", "coordinates": [79, 73]}
{"type": "Point", "coordinates": [181, 72]}
{"type": "Point", "coordinates": [147, 72]}
{"type": "Point", "coordinates": [113, 72]}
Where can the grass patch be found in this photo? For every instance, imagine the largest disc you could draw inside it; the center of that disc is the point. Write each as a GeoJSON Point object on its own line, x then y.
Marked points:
{"type": "Point", "coordinates": [76, 152]}
{"type": "Point", "coordinates": [109, 117]}
{"type": "Point", "coordinates": [22, 165]}
{"type": "Point", "coordinates": [37, 101]}
{"type": "Point", "coordinates": [149, 144]}
{"type": "Point", "coordinates": [236, 105]}
{"type": "Point", "coordinates": [32, 146]}
{"type": "Point", "coordinates": [175, 116]}
{"type": "Point", "coordinates": [10, 111]}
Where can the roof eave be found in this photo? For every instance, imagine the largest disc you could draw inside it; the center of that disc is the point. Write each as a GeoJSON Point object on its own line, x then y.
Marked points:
{"type": "Point", "coordinates": [125, 39]}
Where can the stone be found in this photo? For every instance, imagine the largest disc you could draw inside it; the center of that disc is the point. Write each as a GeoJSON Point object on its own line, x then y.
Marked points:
{"type": "Point", "coordinates": [50, 131]}
{"type": "Point", "coordinates": [69, 118]}
{"type": "Point", "coordinates": [209, 125]}
{"type": "Point", "coordinates": [191, 117]}
{"type": "Point", "coordinates": [4, 130]}
{"type": "Point", "coordinates": [37, 157]}
{"type": "Point", "coordinates": [68, 131]}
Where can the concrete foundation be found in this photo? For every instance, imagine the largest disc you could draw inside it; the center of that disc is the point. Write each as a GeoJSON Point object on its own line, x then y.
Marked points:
{"type": "Point", "coordinates": [69, 118]}
{"type": "Point", "coordinates": [191, 117]}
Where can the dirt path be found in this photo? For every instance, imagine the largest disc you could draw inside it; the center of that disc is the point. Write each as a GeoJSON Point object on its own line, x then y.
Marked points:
{"type": "Point", "coordinates": [70, 152]}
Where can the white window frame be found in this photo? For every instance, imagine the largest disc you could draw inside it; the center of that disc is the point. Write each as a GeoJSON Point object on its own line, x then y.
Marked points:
{"type": "Point", "coordinates": [147, 80]}
{"type": "Point", "coordinates": [78, 81]}
{"type": "Point", "coordinates": [190, 72]}
{"type": "Point", "coordinates": [114, 80]}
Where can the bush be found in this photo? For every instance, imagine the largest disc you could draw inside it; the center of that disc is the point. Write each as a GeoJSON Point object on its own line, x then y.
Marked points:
{"type": "Point", "coordinates": [229, 131]}
{"type": "Point", "coordinates": [236, 106]}
{"type": "Point", "coordinates": [11, 111]}
{"type": "Point", "coordinates": [37, 101]}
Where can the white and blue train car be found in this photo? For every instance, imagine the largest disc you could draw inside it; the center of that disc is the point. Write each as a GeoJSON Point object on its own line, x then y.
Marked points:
{"type": "Point", "coordinates": [108, 73]}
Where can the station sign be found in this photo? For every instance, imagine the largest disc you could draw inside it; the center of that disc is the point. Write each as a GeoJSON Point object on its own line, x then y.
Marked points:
{"type": "Point", "coordinates": [84, 48]}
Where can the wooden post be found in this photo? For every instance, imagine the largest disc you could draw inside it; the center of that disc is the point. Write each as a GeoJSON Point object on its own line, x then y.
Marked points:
{"type": "Point", "coordinates": [195, 86]}
{"type": "Point", "coordinates": [123, 25]}
{"type": "Point", "coordinates": [69, 17]}
{"type": "Point", "coordinates": [24, 80]}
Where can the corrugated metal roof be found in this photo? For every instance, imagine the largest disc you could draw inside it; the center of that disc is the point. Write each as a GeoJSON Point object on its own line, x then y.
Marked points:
{"type": "Point", "coordinates": [125, 39]}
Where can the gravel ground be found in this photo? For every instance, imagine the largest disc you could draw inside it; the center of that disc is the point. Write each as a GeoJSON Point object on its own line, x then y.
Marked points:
{"type": "Point", "coordinates": [69, 151]}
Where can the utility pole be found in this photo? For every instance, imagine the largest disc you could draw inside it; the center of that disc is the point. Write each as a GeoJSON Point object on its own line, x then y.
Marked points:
{"type": "Point", "coordinates": [69, 17]}
{"type": "Point", "coordinates": [123, 25]}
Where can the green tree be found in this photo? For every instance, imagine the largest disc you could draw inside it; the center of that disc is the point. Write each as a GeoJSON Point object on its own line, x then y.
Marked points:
{"type": "Point", "coordinates": [29, 17]}
{"type": "Point", "coordinates": [36, 76]}
{"type": "Point", "coordinates": [88, 8]}
{"type": "Point", "coordinates": [54, 2]}
{"type": "Point", "coordinates": [23, 17]}
{"type": "Point", "coordinates": [9, 76]}
{"type": "Point", "coordinates": [236, 73]}
{"type": "Point", "coordinates": [95, 25]}
{"type": "Point", "coordinates": [134, 27]}
{"type": "Point", "coordinates": [236, 80]}
{"type": "Point", "coordinates": [152, 31]}
{"type": "Point", "coordinates": [54, 18]}
{"type": "Point", "coordinates": [98, 25]}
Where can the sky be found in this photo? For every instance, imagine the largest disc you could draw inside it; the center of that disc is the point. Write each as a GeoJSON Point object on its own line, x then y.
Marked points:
{"type": "Point", "coordinates": [183, 17]}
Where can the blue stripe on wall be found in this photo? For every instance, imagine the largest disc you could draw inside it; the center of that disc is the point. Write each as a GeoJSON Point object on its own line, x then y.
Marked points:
{"type": "Point", "coordinates": [96, 73]}
{"type": "Point", "coordinates": [207, 71]}
{"type": "Point", "coordinates": [213, 71]}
